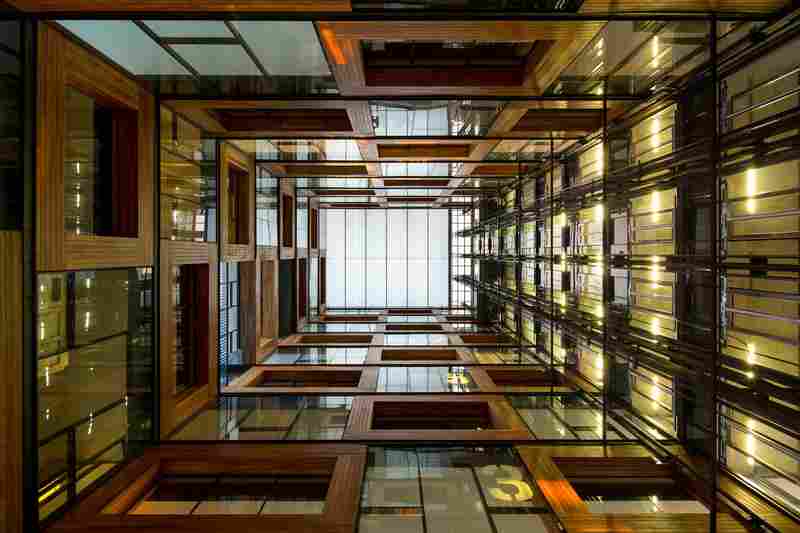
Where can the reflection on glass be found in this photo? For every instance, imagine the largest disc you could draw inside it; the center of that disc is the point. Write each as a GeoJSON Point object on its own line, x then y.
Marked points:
{"type": "Point", "coordinates": [100, 170]}
{"type": "Point", "coordinates": [316, 356]}
{"type": "Point", "coordinates": [266, 208]}
{"type": "Point", "coordinates": [269, 418]}
{"type": "Point", "coordinates": [434, 118]}
{"type": "Point", "coordinates": [95, 376]}
{"type": "Point", "coordinates": [425, 379]}
{"type": "Point", "coordinates": [450, 489]}
{"type": "Point", "coordinates": [188, 181]}
{"type": "Point", "coordinates": [234, 495]}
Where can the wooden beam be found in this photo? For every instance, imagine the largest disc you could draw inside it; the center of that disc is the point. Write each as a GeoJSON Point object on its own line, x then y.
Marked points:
{"type": "Point", "coordinates": [425, 152]}
{"type": "Point", "coordinates": [187, 6]}
{"type": "Point", "coordinates": [11, 351]}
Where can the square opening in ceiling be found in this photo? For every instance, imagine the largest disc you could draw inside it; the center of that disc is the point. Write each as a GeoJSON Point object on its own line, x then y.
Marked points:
{"type": "Point", "coordinates": [413, 327]}
{"type": "Point", "coordinates": [419, 355]}
{"type": "Point", "coordinates": [335, 339]}
{"type": "Point", "coordinates": [473, 416]}
{"type": "Point", "coordinates": [518, 377]}
{"type": "Point", "coordinates": [308, 378]}
{"type": "Point", "coordinates": [477, 338]}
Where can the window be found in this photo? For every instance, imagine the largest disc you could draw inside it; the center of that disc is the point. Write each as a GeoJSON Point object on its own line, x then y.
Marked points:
{"type": "Point", "coordinates": [287, 219]}
{"type": "Point", "coordinates": [100, 167]}
{"type": "Point", "coordinates": [238, 195]}
{"type": "Point", "coordinates": [190, 290]}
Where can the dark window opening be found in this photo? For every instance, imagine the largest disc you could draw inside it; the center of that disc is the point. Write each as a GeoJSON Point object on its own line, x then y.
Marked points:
{"type": "Point", "coordinates": [472, 416]}
{"type": "Point", "coordinates": [191, 310]}
{"type": "Point", "coordinates": [100, 167]}
{"type": "Point", "coordinates": [238, 219]}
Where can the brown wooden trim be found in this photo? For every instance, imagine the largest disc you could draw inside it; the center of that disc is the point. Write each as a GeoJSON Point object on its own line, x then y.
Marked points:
{"type": "Point", "coordinates": [11, 453]}
{"type": "Point", "coordinates": [187, 6]}
{"type": "Point", "coordinates": [62, 64]}
{"type": "Point", "coordinates": [176, 409]}
{"type": "Point", "coordinates": [506, 425]}
{"type": "Point", "coordinates": [344, 463]}
{"type": "Point", "coordinates": [237, 252]}
{"type": "Point", "coordinates": [251, 382]}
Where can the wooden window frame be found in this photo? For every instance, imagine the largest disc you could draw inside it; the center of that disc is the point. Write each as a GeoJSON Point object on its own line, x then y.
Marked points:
{"type": "Point", "coordinates": [236, 252]}
{"type": "Point", "coordinates": [105, 509]}
{"type": "Point", "coordinates": [251, 381]}
{"type": "Point", "coordinates": [175, 409]}
{"type": "Point", "coordinates": [506, 425]}
{"type": "Point", "coordinates": [62, 63]}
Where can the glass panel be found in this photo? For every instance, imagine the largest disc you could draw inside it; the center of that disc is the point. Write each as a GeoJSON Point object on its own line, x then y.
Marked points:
{"type": "Point", "coordinates": [218, 59]}
{"type": "Point", "coordinates": [126, 44]}
{"type": "Point", "coordinates": [188, 181]}
{"type": "Point", "coordinates": [285, 48]}
{"type": "Point", "coordinates": [189, 28]}
{"type": "Point", "coordinates": [95, 376]}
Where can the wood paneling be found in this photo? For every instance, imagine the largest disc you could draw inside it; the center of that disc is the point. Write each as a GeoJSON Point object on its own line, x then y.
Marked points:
{"type": "Point", "coordinates": [316, 380]}
{"type": "Point", "coordinates": [62, 64]}
{"type": "Point", "coordinates": [175, 409]}
{"type": "Point", "coordinates": [11, 351]}
{"type": "Point", "coordinates": [344, 464]}
{"type": "Point", "coordinates": [188, 6]}
{"type": "Point", "coordinates": [232, 156]}
{"type": "Point", "coordinates": [504, 422]}
{"type": "Point", "coordinates": [416, 151]}
{"type": "Point", "coordinates": [684, 6]}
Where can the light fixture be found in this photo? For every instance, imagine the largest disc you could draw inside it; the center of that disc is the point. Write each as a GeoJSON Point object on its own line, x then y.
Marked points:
{"type": "Point", "coordinates": [599, 212]}
{"type": "Point", "coordinates": [750, 190]}
{"type": "Point", "coordinates": [655, 205]}
{"type": "Point", "coordinates": [751, 353]}
{"type": "Point", "coordinates": [655, 325]}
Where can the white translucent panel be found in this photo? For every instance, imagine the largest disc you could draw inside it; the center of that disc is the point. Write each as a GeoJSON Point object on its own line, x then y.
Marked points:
{"type": "Point", "coordinates": [376, 282]}
{"type": "Point", "coordinates": [394, 169]}
{"type": "Point", "coordinates": [417, 169]}
{"type": "Point", "coordinates": [218, 59]}
{"type": "Point", "coordinates": [285, 48]}
{"type": "Point", "coordinates": [452, 501]}
{"type": "Point", "coordinates": [355, 283]}
{"type": "Point", "coordinates": [418, 122]}
{"type": "Point", "coordinates": [396, 122]}
{"type": "Point", "coordinates": [376, 234]}
{"type": "Point", "coordinates": [334, 282]}
{"type": "Point", "coordinates": [437, 283]}
{"type": "Point", "coordinates": [189, 28]}
{"type": "Point", "coordinates": [519, 523]}
{"type": "Point", "coordinates": [438, 229]}
{"type": "Point", "coordinates": [397, 282]}
{"type": "Point", "coordinates": [355, 224]}
{"type": "Point", "coordinates": [335, 233]}
{"type": "Point", "coordinates": [417, 282]}
{"type": "Point", "coordinates": [398, 233]}
{"type": "Point", "coordinates": [437, 121]}
{"type": "Point", "coordinates": [127, 45]}
{"type": "Point", "coordinates": [418, 234]}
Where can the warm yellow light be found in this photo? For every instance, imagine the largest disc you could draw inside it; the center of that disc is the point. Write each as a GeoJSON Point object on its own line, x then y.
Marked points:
{"type": "Point", "coordinates": [750, 191]}
{"type": "Point", "coordinates": [599, 212]}
{"type": "Point", "coordinates": [751, 353]}
{"type": "Point", "coordinates": [655, 204]}
{"type": "Point", "coordinates": [457, 379]}
{"type": "Point", "coordinates": [598, 311]}
{"type": "Point", "coordinates": [522, 491]}
{"type": "Point", "coordinates": [656, 49]}
{"type": "Point", "coordinates": [562, 219]}
{"type": "Point", "coordinates": [655, 128]}
{"type": "Point", "coordinates": [655, 325]}
{"type": "Point", "coordinates": [751, 461]}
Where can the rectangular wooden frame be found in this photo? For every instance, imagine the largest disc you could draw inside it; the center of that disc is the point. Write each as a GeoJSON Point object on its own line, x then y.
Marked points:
{"type": "Point", "coordinates": [236, 252]}
{"type": "Point", "coordinates": [507, 425]}
{"type": "Point", "coordinates": [247, 383]}
{"type": "Point", "coordinates": [104, 509]}
{"type": "Point", "coordinates": [61, 64]}
{"type": "Point", "coordinates": [176, 409]}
